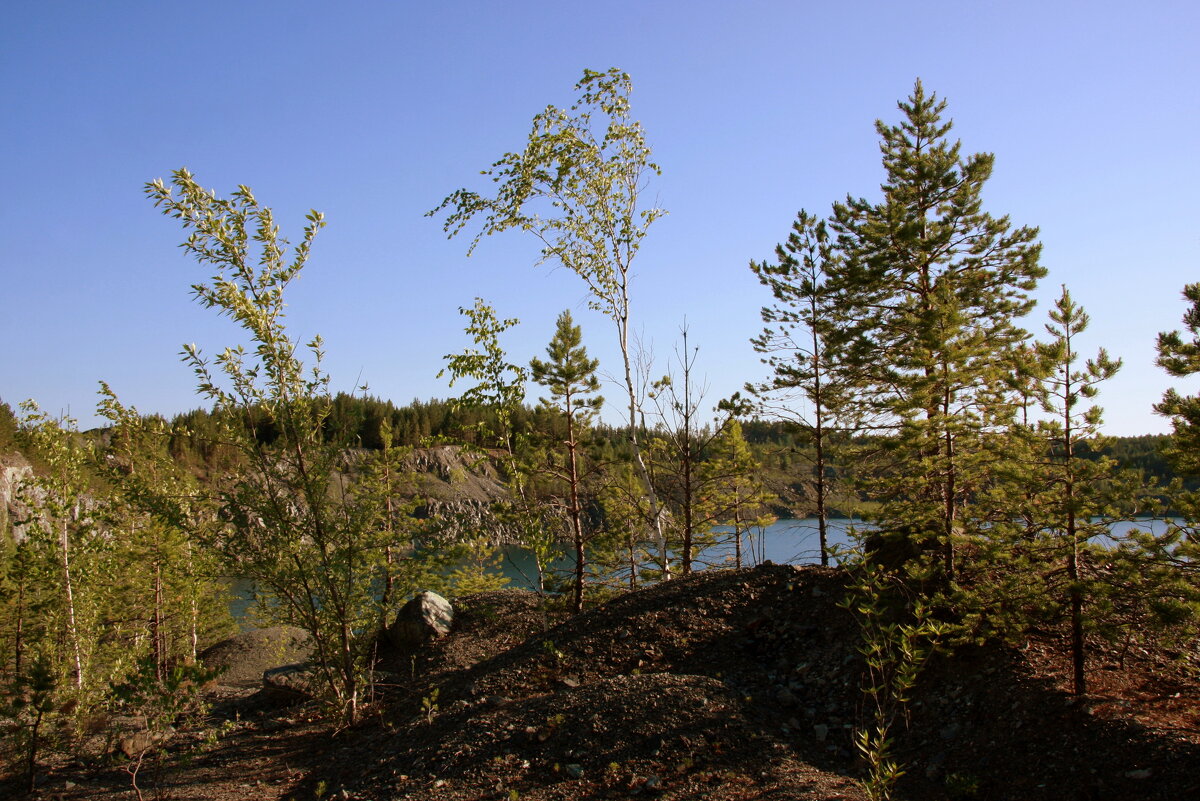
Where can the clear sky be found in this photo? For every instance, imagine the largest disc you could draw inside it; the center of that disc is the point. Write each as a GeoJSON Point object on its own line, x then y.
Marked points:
{"type": "Point", "coordinates": [373, 111]}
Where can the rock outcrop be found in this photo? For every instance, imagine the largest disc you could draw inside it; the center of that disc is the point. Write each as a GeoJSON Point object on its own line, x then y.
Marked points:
{"type": "Point", "coordinates": [14, 469]}
{"type": "Point", "coordinates": [458, 489]}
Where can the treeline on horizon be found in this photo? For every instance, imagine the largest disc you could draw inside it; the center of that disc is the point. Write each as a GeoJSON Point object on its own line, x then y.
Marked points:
{"type": "Point", "coordinates": [776, 444]}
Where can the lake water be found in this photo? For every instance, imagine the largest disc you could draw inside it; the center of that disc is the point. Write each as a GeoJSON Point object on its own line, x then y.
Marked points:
{"type": "Point", "coordinates": [786, 541]}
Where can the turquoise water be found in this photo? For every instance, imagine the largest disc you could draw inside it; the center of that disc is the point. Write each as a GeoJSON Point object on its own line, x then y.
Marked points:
{"type": "Point", "coordinates": [786, 541]}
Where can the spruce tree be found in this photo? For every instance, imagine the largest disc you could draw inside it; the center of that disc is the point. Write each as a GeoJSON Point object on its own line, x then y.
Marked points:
{"type": "Point", "coordinates": [927, 294]}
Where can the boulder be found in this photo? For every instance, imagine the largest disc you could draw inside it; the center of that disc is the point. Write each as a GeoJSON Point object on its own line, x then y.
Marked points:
{"type": "Point", "coordinates": [291, 683]}
{"type": "Point", "coordinates": [426, 617]}
{"type": "Point", "coordinates": [243, 658]}
{"type": "Point", "coordinates": [134, 736]}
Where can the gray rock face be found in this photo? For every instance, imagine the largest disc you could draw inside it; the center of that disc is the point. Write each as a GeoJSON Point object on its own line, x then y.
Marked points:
{"type": "Point", "coordinates": [426, 617]}
{"type": "Point", "coordinates": [14, 470]}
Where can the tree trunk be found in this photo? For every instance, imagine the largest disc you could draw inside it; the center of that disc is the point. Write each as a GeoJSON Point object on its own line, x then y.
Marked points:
{"type": "Point", "coordinates": [656, 527]}
{"type": "Point", "coordinates": [576, 512]}
{"type": "Point", "coordinates": [69, 593]}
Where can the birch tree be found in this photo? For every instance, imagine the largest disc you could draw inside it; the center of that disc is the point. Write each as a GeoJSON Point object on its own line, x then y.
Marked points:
{"type": "Point", "coordinates": [289, 521]}
{"type": "Point", "coordinates": [577, 188]}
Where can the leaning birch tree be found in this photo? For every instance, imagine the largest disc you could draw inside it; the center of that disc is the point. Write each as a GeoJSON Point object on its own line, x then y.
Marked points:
{"type": "Point", "coordinates": [576, 187]}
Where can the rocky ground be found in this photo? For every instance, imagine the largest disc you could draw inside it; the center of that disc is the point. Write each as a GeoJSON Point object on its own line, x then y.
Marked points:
{"type": "Point", "coordinates": [723, 685]}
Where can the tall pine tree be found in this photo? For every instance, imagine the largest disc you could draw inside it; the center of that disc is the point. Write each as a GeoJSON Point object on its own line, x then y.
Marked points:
{"type": "Point", "coordinates": [807, 387]}
{"type": "Point", "coordinates": [928, 291]}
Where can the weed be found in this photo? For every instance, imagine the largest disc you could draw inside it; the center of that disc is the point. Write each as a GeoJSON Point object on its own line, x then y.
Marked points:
{"type": "Point", "coordinates": [429, 705]}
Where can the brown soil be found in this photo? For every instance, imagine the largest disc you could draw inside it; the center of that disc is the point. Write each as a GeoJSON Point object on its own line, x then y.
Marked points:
{"type": "Point", "coordinates": [722, 685]}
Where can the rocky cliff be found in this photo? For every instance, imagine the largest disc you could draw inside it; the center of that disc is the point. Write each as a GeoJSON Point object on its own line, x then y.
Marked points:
{"type": "Point", "coordinates": [14, 469]}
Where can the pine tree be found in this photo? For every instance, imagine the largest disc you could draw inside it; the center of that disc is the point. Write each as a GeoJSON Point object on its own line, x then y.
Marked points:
{"type": "Point", "coordinates": [927, 291]}
{"type": "Point", "coordinates": [570, 377]}
{"type": "Point", "coordinates": [808, 387]}
{"type": "Point", "coordinates": [1169, 564]}
{"type": "Point", "coordinates": [1077, 514]}
{"type": "Point", "coordinates": [1181, 358]}
{"type": "Point", "coordinates": [735, 495]}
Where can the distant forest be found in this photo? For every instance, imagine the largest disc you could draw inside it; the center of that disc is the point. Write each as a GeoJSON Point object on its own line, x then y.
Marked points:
{"type": "Point", "coordinates": [777, 445]}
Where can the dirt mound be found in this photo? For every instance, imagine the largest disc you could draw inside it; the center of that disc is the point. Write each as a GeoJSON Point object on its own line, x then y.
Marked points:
{"type": "Point", "coordinates": [673, 690]}
{"type": "Point", "coordinates": [747, 684]}
{"type": "Point", "coordinates": [246, 656]}
{"type": "Point", "coordinates": [672, 736]}
{"type": "Point", "coordinates": [721, 685]}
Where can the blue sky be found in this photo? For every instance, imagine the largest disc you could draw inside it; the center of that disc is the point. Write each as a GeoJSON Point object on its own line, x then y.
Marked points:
{"type": "Point", "coordinates": [373, 111]}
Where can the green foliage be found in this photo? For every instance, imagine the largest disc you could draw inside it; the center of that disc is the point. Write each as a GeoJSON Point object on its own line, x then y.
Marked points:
{"type": "Point", "coordinates": [735, 493]}
{"type": "Point", "coordinates": [31, 702]}
{"type": "Point", "coordinates": [105, 575]}
{"type": "Point", "coordinates": [429, 705]}
{"type": "Point", "coordinates": [162, 697]}
{"type": "Point", "coordinates": [624, 514]}
{"type": "Point", "coordinates": [899, 634]}
{"type": "Point", "coordinates": [676, 449]}
{"type": "Point", "coordinates": [66, 540]}
{"type": "Point", "coordinates": [499, 390]}
{"type": "Point", "coordinates": [479, 568]}
{"type": "Point", "coordinates": [500, 386]}
{"type": "Point", "coordinates": [575, 187]}
{"type": "Point", "coordinates": [160, 513]}
{"type": "Point", "coordinates": [290, 519]}
{"type": "Point", "coordinates": [8, 428]}
{"type": "Point", "coordinates": [570, 377]}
